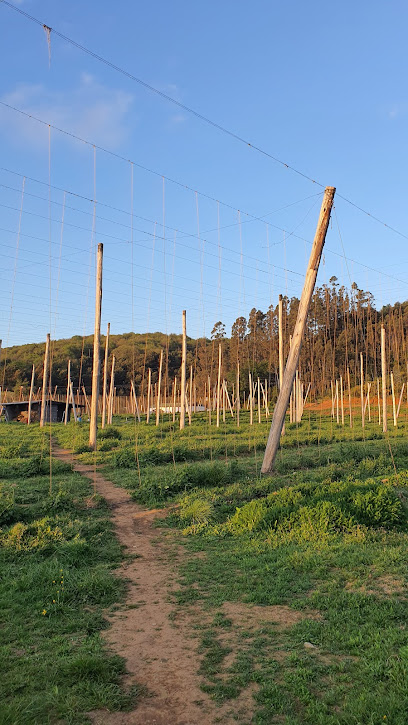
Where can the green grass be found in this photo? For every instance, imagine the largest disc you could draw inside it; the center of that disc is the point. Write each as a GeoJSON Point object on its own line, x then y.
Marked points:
{"type": "Point", "coordinates": [325, 535]}
{"type": "Point", "coordinates": [57, 555]}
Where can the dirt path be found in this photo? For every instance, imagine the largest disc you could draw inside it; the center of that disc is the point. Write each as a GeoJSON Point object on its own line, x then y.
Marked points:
{"type": "Point", "coordinates": [160, 651]}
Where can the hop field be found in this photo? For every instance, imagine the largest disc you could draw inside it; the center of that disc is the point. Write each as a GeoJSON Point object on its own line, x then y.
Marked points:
{"type": "Point", "coordinates": [301, 574]}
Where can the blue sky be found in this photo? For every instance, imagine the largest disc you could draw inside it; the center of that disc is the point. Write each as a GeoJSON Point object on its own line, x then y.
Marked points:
{"type": "Point", "coordinates": [322, 88]}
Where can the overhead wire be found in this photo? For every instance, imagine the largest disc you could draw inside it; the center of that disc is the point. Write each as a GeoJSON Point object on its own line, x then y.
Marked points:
{"type": "Point", "coordinates": [202, 117]}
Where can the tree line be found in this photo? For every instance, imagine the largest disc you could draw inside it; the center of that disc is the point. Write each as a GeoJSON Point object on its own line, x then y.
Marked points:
{"type": "Point", "coordinates": [342, 323]}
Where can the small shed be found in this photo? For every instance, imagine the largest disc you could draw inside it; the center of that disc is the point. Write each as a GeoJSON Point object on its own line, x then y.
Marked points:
{"type": "Point", "coordinates": [19, 411]}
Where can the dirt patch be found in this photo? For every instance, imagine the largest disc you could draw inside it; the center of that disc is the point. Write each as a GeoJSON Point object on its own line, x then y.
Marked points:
{"type": "Point", "coordinates": [159, 649]}
{"type": "Point", "coordinates": [251, 616]}
{"type": "Point", "coordinates": [386, 585]}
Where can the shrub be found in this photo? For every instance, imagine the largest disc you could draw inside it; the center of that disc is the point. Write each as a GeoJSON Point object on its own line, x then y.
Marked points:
{"type": "Point", "coordinates": [110, 433]}
{"type": "Point", "coordinates": [125, 458]}
{"type": "Point", "coordinates": [378, 508]}
{"type": "Point", "coordinates": [196, 512]}
{"type": "Point", "coordinates": [107, 445]}
{"type": "Point", "coordinates": [248, 518]}
{"type": "Point", "coordinates": [13, 450]}
{"type": "Point", "coordinates": [38, 535]}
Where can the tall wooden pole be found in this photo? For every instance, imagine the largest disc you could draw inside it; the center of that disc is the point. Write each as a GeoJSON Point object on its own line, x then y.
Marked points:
{"type": "Point", "coordinates": [183, 374]}
{"type": "Point", "coordinates": [281, 354]}
{"type": "Point", "coordinates": [294, 353]}
{"type": "Point", "coordinates": [159, 389]}
{"type": "Point", "coordinates": [209, 401]}
{"type": "Point", "coordinates": [105, 376]}
{"type": "Point", "coordinates": [149, 388]}
{"type": "Point", "coordinates": [93, 425]}
{"type": "Point", "coordinates": [174, 399]}
{"type": "Point", "coordinates": [349, 397]}
{"type": "Point", "coordinates": [68, 392]}
{"type": "Point", "coordinates": [111, 392]}
{"type": "Point", "coordinates": [45, 381]}
{"type": "Point", "coordinates": [237, 394]}
{"type": "Point", "coordinates": [190, 395]}
{"type": "Point", "coordinates": [384, 378]}
{"type": "Point", "coordinates": [337, 403]}
{"type": "Point", "coordinates": [30, 400]}
{"type": "Point", "coordinates": [250, 395]}
{"type": "Point", "coordinates": [73, 401]}
{"type": "Point", "coordinates": [394, 412]}
{"type": "Point", "coordinates": [362, 388]}
{"type": "Point", "coordinates": [219, 384]}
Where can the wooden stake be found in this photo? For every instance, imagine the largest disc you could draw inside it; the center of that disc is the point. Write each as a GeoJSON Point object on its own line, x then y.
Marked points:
{"type": "Point", "coordinates": [135, 405]}
{"type": "Point", "coordinates": [400, 400]}
{"type": "Point", "coordinates": [174, 399]}
{"type": "Point", "coordinates": [251, 418]}
{"type": "Point", "coordinates": [293, 357]}
{"type": "Point", "coordinates": [31, 395]}
{"type": "Point", "coordinates": [93, 425]}
{"type": "Point", "coordinates": [237, 400]}
{"type": "Point", "coordinates": [111, 392]}
{"type": "Point", "coordinates": [341, 400]}
{"type": "Point", "coordinates": [149, 387]}
{"type": "Point", "coordinates": [259, 401]}
{"type": "Point", "coordinates": [209, 401]}
{"type": "Point", "coordinates": [394, 412]}
{"type": "Point", "coordinates": [68, 392]}
{"type": "Point", "coordinates": [219, 384]}
{"type": "Point", "coordinates": [190, 395]}
{"type": "Point", "coordinates": [378, 401]}
{"type": "Point", "coordinates": [105, 376]}
{"type": "Point", "coordinates": [362, 388]}
{"type": "Point", "coordinates": [45, 381]}
{"type": "Point", "coordinates": [281, 352]}
{"type": "Point", "coordinates": [337, 403]}
{"type": "Point", "coordinates": [73, 402]}
{"type": "Point", "coordinates": [349, 397]}
{"type": "Point", "coordinates": [384, 378]}
{"type": "Point", "coordinates": [183, 374]}
{"type": "Point", "coordinates": [368, 402]}
{"type": "Point", "coordinates": [159, 389]}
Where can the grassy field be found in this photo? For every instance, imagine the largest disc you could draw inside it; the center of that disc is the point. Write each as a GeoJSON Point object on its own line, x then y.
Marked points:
{"type": "Point", "coordinates": [57, 553]}
{"type": "Point", "coordinates": [301, 575]}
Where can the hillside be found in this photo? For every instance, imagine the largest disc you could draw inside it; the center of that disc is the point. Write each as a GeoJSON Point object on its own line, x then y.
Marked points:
{"type": "Point", "coordinates": [342, 324]}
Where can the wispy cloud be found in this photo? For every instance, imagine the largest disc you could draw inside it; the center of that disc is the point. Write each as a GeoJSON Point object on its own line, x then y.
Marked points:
{"type": "Point", "coordinates": [178, 118]}
{"type": "Point", "coordinates": [397, 110]}
{"type": "Point", "coordinates": [90, 110]}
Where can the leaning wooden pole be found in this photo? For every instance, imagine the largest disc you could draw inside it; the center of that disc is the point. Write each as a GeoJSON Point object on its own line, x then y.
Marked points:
{"type": "Point", "coordinates": [384, 379]}
{"type": "Point", "coordinates": [93, 426]}
{"type": "Point", "coordinates": [45, 381]}
{"type": "Point", "coordinates": [183, 374]}
{"type": "Point", "coordinates": [294, 352]}
{"type": "Point", "coordinates": [105, 377]}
